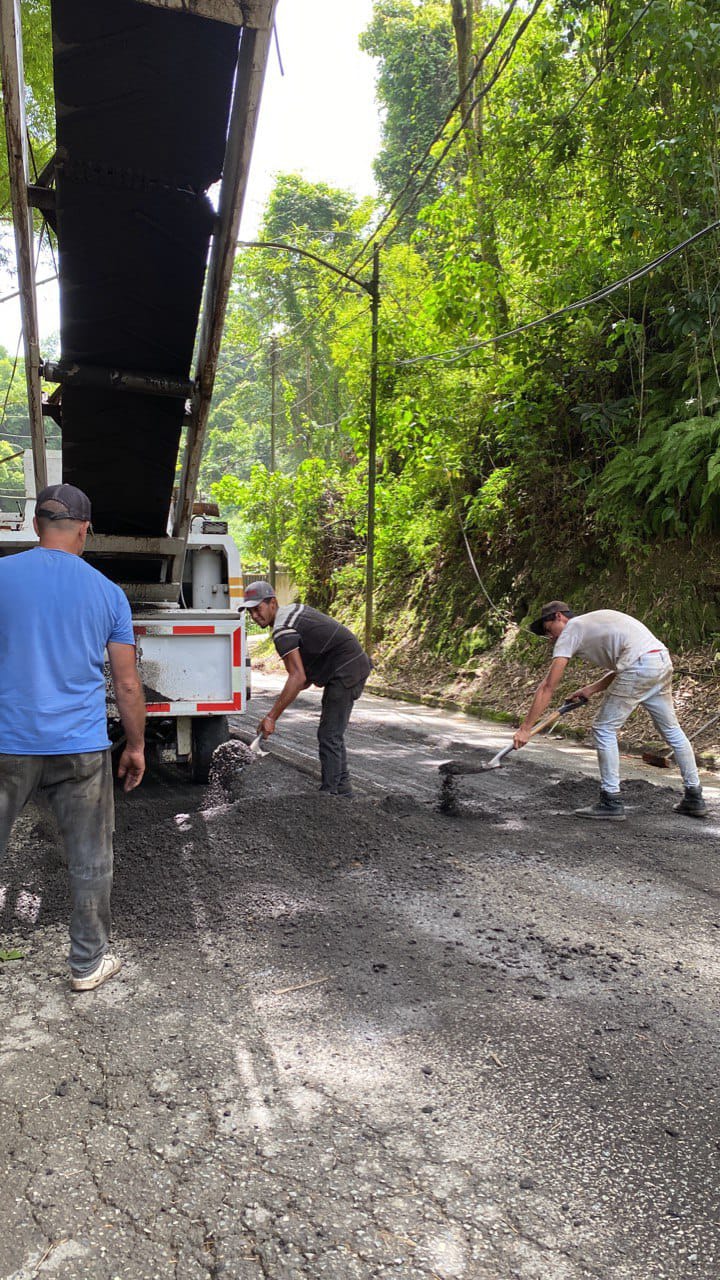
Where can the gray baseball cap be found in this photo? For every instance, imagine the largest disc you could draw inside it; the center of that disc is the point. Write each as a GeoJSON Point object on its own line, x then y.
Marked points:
{"type": "Point", "coordinates": [256, 593]}
{"type": "Point", "coordinates": [549, 611]}
{"type": "Point", "coordinates": [63, 502]}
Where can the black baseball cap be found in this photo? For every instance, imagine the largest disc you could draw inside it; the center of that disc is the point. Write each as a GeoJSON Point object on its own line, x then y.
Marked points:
{"type": "Point", "coordinates": [256, 593]}
{"type": "Point", "coordinates": [548, 612]}
{"type": "Point", "coordinates": [63, 502]}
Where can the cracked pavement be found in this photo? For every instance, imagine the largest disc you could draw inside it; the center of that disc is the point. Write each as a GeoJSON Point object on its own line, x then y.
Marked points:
{"type": "Point", "coordinates": [362, 1038]}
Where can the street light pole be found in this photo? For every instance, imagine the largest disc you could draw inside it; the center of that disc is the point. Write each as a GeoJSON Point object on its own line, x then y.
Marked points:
{"type": "Point", "coordinates": [273, 528]}
{"type": "Point", "coordinates": [374, 292]}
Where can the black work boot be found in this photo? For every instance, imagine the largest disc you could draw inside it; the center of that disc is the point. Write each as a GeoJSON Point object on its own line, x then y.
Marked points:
{"type": "Point", "coordinates": [609, 807]}
{"type": "Point", "coordinates": [692, 803]}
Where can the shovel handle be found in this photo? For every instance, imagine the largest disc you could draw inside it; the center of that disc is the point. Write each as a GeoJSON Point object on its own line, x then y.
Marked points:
{"type": "Point", "coordinates": [571, 704]}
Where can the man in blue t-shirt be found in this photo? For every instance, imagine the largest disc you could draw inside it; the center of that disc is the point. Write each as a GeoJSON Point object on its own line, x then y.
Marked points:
{"type": "Point", "coordinates": [57, 618]}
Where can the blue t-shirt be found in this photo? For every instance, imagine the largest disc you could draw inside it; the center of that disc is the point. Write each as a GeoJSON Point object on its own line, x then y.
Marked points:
{"type": "Point", "coordinates": [56, 616]}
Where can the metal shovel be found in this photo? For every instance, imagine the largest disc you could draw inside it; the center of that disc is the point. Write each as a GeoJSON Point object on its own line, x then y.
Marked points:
{"type": "Point", "coordinates": [452, 767]}
{"type": "Point", "coordinates": [256, 747]}
{"type": "Point", "coordinates": [571, 704]}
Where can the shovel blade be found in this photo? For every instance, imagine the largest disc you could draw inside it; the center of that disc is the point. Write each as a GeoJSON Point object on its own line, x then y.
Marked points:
{"type": "Point", "coordinates": [498, 759]}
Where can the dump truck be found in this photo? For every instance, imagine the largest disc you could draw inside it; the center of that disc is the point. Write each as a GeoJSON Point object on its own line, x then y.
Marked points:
{"type": "Point", "coordinates": [156, 106]}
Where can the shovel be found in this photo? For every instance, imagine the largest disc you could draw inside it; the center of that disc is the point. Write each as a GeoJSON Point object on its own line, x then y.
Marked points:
{"type": "Point", "coordinates": [256, 747]}
{"type": "Point", "coordinates": [571, 704]}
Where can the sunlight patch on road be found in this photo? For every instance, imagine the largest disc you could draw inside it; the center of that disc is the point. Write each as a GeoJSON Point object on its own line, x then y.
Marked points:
{"type": "Point", "coordinates": [27, 906]}
{"type": "Point", "coordinates": [256, 1113]}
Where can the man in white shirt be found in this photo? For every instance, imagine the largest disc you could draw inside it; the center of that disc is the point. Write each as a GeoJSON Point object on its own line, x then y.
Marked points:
{"type": "Point", "coordinates": [638, 671]}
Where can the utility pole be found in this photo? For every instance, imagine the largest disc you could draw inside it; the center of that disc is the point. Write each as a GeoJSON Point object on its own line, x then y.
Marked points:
{"type": "Point", "coordinates": [374, 291]}
{"type": "Point", "coordinates": [273, 376]}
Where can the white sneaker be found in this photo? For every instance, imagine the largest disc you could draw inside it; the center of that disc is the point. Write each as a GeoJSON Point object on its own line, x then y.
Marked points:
{"type": "Point", "coordinates": [107, 968]}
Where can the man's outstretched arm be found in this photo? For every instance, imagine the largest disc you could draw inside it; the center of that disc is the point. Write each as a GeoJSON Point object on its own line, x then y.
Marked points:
{"type": "Point", "coordinates": [543, 697]}
{"type": "Point", "coordinates": [296, 681]}
{"type": "Point", "coordinates": [131, 705]}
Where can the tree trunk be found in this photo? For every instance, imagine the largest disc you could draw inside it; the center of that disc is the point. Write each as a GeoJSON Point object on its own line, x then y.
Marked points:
{"type": "Point", "coordinates": [463, 19]}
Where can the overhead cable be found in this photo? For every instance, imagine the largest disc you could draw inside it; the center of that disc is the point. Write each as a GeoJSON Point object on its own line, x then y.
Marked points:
{"type": "Point", "coordinates": [591, 83]}
{"type": "Point", "coordinates": [453, 354]}
{"type": "Point", "coordinates": [458, 101]}
{"type": "Point", "coordinates": [566, 115]}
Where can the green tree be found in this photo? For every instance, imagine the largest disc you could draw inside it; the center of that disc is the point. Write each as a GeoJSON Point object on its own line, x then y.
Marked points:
{"type": "Point", "coordinates": [40, 103]}
{"type": "Point", "coordinates": [416, 84]}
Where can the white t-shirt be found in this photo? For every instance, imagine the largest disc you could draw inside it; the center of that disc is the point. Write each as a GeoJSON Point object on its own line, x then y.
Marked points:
{"type": "Point", "coordinates": [606, 638]}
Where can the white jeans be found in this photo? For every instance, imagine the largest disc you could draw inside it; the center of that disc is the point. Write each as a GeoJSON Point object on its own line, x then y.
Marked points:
{"type": "Point", "coordinates": [648, 682]}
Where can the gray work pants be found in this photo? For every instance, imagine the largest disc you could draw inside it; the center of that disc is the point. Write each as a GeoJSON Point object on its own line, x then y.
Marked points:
{"type": "Point", "coordinates": [337, 704]}
{"type": "Point", "coordinates": [648, 682]}
{"type": "Point", "coordinates": [79, 790]}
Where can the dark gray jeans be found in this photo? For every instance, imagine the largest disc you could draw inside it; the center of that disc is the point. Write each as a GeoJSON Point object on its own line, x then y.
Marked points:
{"type": "Point", "coordinates": [79, 790]}
{"type": "Point", "coordinates": [337, 704]}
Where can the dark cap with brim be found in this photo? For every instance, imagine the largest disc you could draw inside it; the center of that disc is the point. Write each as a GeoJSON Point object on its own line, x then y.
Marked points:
{"type": "Point", "coordinates": [549, 611]}
{"type": "Point", "coordinates": [256, 593]}
{"type": "Point", "coordinates": [63, 502]}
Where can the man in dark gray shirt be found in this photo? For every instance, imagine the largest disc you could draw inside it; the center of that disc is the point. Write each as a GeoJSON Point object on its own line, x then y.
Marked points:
{"type": "Point", "coordinates": [315, 650]}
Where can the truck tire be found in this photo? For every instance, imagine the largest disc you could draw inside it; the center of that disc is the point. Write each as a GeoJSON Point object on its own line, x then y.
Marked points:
{"type": "Point", "coordinates": [208, 732]}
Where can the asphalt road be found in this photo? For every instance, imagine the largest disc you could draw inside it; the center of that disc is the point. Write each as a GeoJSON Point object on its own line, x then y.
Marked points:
{"type": "Point", "coordinates": [359, 1039]}
{"type": "Point", "coordinates": [399, 746]}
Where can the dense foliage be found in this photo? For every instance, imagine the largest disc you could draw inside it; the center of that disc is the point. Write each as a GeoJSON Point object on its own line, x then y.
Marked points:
{"type": "Point", "coordinates": [580, 457]}
{"type": "Point", "coordinates": [39, 104]}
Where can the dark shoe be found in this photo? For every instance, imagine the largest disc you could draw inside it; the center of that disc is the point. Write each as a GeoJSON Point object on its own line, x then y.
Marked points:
{"type": "Point", "coordinates": [609, 808]}
{"type": "Point", "coordinates": [692, 803]}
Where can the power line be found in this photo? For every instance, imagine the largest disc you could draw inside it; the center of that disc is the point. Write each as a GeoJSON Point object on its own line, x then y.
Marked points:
{"type": "Point", "coordinates": [16, 292]}
{"type": "Point", "coordinates": [452, 354]}
{"type": "Point", "coordinates": [501, 613]}
{"type": "Point", "coordinates": [457, 101]}
{"type": "Point", "coordinates": [308, 325]}
{"type": "Point", "coordinates": [502, 63]}
{"type": "Point", "coordinates": [10, 382]}
{"type": "Point", "coordinates": [560, 119]}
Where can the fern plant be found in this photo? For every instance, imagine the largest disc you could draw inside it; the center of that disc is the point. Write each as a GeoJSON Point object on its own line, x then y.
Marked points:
{"type": "Point", "coordinates": [667, 483]}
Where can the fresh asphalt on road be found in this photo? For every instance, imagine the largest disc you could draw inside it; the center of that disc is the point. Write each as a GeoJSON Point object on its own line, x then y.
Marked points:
{"type": "Point", "coordinates": [364, 1039]}
{"type": "Point", "coordinates": [398, 746]}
